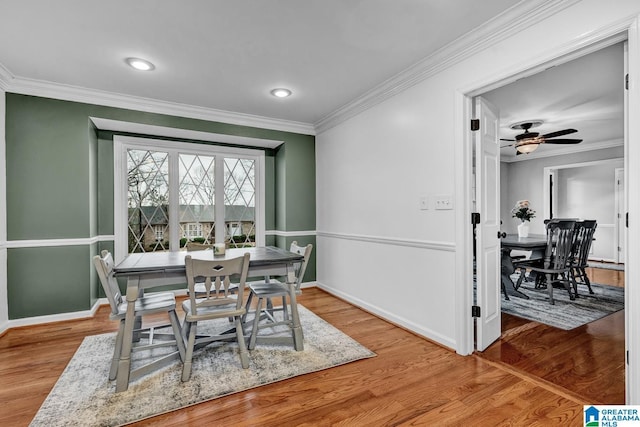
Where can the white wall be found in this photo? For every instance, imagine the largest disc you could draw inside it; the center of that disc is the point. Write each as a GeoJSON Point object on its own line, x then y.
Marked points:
{"type": "Point", "coordinates": [588, 192]}
{"type": "Point", "coordinates": [375, 247]}
{"type": "Point", "coordinates": [525, 180]}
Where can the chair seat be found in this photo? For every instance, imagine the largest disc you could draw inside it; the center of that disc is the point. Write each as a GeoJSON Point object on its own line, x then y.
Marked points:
{"type": "Point", "coordinates": [149, 304]}
{"type": "Point", "coordinates": [271, 289]}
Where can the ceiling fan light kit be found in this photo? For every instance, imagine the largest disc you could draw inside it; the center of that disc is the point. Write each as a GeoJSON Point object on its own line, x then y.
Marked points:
{"type": "Point", "coordinates": [528, 142]}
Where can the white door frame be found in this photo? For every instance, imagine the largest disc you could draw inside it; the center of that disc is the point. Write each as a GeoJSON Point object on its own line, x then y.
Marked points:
{"type": "Point", "coordinates": [623, 30]}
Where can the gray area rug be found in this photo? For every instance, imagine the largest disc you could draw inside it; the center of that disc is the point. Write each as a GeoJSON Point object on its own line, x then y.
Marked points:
{"type": "Point", "coordinates": [565, 314]}
{"type": "Point", "coordinates": [83, 396]}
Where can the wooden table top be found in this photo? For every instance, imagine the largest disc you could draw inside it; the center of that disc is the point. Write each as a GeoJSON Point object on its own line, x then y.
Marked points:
{"type": "Point", "coordinates": [533, 241]}
{"type": "Point", "coordinates": [151, 262]}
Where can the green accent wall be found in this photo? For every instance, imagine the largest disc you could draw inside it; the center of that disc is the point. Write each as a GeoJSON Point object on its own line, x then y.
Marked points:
{"type": "Point", "coordinates": [60, 186]}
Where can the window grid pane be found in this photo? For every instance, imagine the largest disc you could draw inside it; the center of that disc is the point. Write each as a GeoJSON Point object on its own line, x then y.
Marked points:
{"type": "Point", "coordinates": [239, 201]}
{"type": "Point", "coordinates": [196, 195]}
{"type": "Point", "coordinates": [147, 199]}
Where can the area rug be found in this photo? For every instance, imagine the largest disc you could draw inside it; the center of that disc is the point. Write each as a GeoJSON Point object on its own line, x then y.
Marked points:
{"type": "Point", "coordinates": [83, 396]}
{"type": "Point", "coordinates": [565, 314]}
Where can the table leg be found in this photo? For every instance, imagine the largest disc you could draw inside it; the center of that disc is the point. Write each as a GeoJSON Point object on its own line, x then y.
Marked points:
{"type": "Point", "coordinates": [507, 269]}
{"type": "Point", "coordinates": [124, 365]}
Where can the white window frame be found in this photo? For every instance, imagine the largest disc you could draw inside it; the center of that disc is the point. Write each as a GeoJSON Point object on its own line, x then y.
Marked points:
{"type": "Point", "coordinates": [190, 228]}
{"type": "Point", "coordinates": [124, 143]}
{"type": "Point", "coordinates": [158, 230]}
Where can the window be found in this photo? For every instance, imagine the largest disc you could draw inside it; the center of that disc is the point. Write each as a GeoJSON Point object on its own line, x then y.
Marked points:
{"type": "Point", "coordinates": [169, 192]}
{"type": "Point", "coordinates": [193, 230]}
{"type": "Point", "coordinates": [234, 229]}
{"type": "Point", "coordinates": [159, 230]}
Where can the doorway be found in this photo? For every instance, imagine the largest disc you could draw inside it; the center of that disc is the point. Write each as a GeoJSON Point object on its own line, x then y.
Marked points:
{"type": "Point", "coordinates": [630, 373]}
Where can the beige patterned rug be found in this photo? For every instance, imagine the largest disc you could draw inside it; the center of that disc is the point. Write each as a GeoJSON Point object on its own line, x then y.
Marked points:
{"type": "Point", "coordinates": [83, 396]}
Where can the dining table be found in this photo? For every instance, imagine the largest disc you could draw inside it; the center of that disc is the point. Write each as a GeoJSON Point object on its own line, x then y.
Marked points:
{"type": "Point", "coordinates": [536, 243]}
{"type": "Point", "coordinates": [153, 269]}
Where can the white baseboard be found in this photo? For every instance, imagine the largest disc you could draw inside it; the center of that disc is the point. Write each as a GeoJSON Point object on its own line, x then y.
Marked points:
{"type": "Point", "coordinates": [38, 320]}
{"type": "Point", "coordinates": [392, 318]}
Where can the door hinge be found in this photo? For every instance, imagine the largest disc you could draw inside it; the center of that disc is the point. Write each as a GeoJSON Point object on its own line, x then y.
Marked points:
{"type": "Point", "coordinates": [627, 357]}
{"type": "Point", "coordinates": [475, 124]}
{"type": "Point", "coordinates": [475, 311]}
{"type": "Point", "coordinates": [475, 218]}
{"type": "Point", "coordinates": [626, 220]}
{"type": "Point", "coordinates": [626, 81]}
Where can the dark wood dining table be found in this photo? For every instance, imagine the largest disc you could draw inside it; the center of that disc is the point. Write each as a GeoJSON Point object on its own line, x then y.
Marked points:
{"type": "Point", "coordinates": [153, 269]}
{"type": "Point", "coordinates": [536, 243]}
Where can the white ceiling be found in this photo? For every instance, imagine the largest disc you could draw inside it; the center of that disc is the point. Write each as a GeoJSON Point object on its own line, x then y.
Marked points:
{"type": "Point", "coordinates": [586, 94]}
{"type": "Point", "coordinates": [227, 55]}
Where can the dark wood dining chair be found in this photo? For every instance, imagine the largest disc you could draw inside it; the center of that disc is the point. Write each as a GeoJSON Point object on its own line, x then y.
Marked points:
{"type": "Point", "coordinates": [580, 256]}
{"type": "Point", "coordinates": [555, 266]}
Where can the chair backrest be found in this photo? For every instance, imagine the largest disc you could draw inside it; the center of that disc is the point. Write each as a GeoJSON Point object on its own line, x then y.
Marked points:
{"type": "Point", "coordinates": [560, 236]}
{"type": "Point", "coordinates": [300, 267]}
{"type": "Point", "coordinates": [104, 266]}
{"type": "Point", "coordinates": [216, 277]}
{"type": "Point", "coordinates": [583, 239]}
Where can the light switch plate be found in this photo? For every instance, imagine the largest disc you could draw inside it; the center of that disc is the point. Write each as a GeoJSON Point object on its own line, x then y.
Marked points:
{"type": "Point", "coordinates": [424, 203]}
{"type": "Point", "coordinates": [443, 202]}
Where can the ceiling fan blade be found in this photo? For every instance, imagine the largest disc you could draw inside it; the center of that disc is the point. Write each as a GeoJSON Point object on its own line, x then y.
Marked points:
{"type": "Point", "coordinates": [562, 141]}
{"type": "Point", "coordinates": [506, 139]}
{"type": "Point", "coordinates": [559, 133]}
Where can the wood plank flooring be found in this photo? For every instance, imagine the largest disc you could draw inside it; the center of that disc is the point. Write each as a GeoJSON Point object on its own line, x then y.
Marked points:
{"type": "Point", "coordinates": [587, 361]}
{"type": "Point", "coordinates": [411, 381]}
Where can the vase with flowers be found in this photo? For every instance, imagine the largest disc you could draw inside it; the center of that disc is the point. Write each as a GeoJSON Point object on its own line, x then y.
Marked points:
{"type": "Point", "coordinates": [524, 213]}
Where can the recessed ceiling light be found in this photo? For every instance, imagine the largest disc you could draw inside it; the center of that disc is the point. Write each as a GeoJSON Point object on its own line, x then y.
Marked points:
{"type": "Point", "coordinates": [281, 92]}
{"type": "Point", "coordinates": [140, 64]}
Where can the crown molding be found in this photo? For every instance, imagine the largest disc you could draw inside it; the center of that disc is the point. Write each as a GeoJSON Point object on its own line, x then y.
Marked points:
{"type": "Point", "coordinates": [501, 27]}
{"type": "Point", "coordinates": [571, 149]}
{"type": "Point", "coordinates": [5, 78]}
{"type": "Point", "coordinates": [46, 89]}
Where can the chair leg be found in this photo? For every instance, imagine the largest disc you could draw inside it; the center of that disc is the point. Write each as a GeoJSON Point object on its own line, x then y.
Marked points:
{"type": "Point", "coordinates": [566, 280]}
{"type": "Point", "coordinates": [113, 372]}
{"type": "Point", "coordinates": [177, 332]}
{"type": "Point", "coordinates": [186, 367]}
{"type": "Point", "coordinates": [244, 355]}
{"type": "Point", "coordinates": [247, 307]}
{"type": "Point", "coordinates": [550, 288]}
{"type": "Point", "coordinates": [583, 273]}
{"type": "Point", "coordinates": [254, 330]}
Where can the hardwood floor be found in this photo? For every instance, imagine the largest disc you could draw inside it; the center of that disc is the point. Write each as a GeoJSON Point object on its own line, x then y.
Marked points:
{"type": "Point", "coordinates": [587, 361]}
{"type": "Point", "coordinates": [411, 381]}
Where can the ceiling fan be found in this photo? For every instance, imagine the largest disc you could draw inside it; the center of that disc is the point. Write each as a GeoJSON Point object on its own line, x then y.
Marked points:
{"type": "Point", "coordinates": [527, 141]}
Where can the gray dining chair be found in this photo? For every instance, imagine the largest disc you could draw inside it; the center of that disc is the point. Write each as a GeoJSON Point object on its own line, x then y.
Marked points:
{"type": "Point", "coordinates": [144, 338]}
{"type": "Point", "coordinates": [555, 265]}
{"type": "Point", "coordinates": [267, 291]}
{"type": "Point", "coordinates": [217, 302]}
{"type": "Point", "coordinates": [580, 256]}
